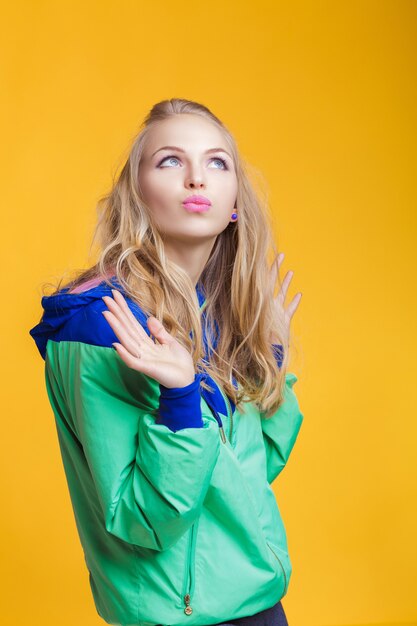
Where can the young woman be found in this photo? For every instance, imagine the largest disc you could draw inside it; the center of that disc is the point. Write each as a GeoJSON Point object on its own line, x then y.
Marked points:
{"type": "Point", "coordinates": [165, 366]}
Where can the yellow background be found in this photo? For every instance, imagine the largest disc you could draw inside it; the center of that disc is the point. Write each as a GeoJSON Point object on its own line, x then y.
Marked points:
{"type": "Point", "coordinates": [321, 97]}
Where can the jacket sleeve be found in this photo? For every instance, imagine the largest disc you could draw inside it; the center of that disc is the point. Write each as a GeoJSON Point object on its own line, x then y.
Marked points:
{"type": "Point", "coordinates": [150, 480]}
{"type": "Point", "coordinates": [280, 431]}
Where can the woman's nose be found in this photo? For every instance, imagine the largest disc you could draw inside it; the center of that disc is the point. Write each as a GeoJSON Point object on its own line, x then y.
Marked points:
{"type": "Point", "coordinates": [195, 178]}
{"type": "Point", "coordinates": [193, 184]}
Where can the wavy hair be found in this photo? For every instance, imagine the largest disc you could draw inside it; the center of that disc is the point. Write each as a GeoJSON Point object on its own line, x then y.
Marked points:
{"type": "Point", "coordinates": [235, 279]}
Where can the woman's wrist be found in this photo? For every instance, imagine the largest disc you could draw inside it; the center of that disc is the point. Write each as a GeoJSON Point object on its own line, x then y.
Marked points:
{"type": "Point", "coordinates": [180, 407]}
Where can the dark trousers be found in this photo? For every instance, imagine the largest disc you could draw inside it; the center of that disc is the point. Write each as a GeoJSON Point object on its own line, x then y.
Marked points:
{"type": "Point", "coordinates": [274, 616]}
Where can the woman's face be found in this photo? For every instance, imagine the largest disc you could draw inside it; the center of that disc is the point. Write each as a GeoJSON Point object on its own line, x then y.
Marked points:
{"type": "Point", "coordinates": [167, 176]}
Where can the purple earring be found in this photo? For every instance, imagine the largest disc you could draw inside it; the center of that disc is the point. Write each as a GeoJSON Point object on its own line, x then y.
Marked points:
{"type": "Point", "coordinates": [234, 216]}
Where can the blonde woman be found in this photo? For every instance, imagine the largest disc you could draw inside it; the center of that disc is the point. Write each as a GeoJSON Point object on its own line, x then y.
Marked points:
{"type": "Point", "coordinates": [165, 367]}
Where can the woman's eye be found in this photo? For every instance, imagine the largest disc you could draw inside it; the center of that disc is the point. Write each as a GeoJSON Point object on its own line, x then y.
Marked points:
{"type": "Point", "coordinates": [174, 158]}
{"type": "Point", "coordinates": [166, 159]}
{"type": "Point", "coordinates": [222, 161]}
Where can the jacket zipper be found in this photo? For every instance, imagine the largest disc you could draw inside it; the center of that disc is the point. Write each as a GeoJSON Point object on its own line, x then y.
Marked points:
{"type": "Point", "coordinates": [189, 580]}
{"type": "Point", "coordinates": [189, 574]}
{"type": "Point", "coordinates": [283, 571]}
{"type": "Point", "coordinates": [229, 412]}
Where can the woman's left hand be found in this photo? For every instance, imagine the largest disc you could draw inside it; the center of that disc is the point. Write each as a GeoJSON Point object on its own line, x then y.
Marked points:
{"type": "Point", "coordinates": [286, 313]}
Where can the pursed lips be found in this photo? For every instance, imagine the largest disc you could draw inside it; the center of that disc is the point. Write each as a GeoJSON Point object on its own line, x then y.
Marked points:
{"type": "Point", "coordinates": [197, 204]}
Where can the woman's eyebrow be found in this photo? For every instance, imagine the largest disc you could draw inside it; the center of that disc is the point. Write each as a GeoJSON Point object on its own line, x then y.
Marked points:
{"type": "Point", "coordinates": [182, 150]}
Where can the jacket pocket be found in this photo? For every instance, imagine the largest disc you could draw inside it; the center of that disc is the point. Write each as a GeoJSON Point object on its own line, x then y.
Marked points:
{"type": "Point", "coordinates": [189, 573]}
{"type": "Point", "coordinates": [284, 564]}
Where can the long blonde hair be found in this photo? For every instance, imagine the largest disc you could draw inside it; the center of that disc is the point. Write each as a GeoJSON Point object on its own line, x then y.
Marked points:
{"type": "Point", "coordinates": [235, 279]}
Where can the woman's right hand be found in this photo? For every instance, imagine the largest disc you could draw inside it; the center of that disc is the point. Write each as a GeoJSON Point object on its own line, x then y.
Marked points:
{"type": "Point", "coordinates": [168, 361]}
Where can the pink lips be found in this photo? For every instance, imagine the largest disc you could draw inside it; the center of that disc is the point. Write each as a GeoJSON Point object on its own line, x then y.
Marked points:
{"type": "Point", "coordinates": [197, 204]}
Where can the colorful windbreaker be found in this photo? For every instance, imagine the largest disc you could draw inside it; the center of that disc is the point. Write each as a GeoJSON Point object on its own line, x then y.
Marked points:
{"type": "Point", "coordinates": [170, 487]}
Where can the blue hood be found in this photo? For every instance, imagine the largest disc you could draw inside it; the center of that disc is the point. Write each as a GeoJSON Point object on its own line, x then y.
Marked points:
{"type": "Point", "coordinates": [60, 308]}
{"type": "Point", "coordinates": [61, 319]}
{"type": "Point", "coordinates": [78, 317]}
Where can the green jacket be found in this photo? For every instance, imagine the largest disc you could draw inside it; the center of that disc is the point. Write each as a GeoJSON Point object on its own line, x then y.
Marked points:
{"type": "Point", "coordinates": [178, 526]}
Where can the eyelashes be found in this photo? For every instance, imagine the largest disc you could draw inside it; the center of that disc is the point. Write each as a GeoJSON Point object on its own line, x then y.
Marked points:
{"type": "Point", "coordinates": [172, 156]}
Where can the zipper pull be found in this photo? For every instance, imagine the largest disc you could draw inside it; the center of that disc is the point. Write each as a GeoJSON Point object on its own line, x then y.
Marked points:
{"type": "Point", "coordinates": [188, 610]}
{"type": "Point", "coordinates": [216, 415]}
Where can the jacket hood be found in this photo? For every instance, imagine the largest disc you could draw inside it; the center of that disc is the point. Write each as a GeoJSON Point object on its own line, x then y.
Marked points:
{"type": "Point", "coordinates": [78, 317]}
{"type": "Point", "coordinates": [61, 308]}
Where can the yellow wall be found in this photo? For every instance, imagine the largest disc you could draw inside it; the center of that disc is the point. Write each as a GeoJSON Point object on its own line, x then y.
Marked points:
{"type": "Point", "coordinates": [321, 97]}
